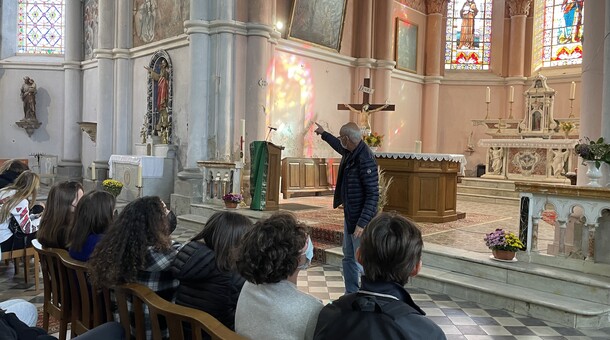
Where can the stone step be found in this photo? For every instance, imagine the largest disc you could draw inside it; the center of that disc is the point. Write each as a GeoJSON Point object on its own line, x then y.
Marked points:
{"type": "Point", "coordinates": [488, 183]}
{"type": "Point", "coordinates": [487, 198]}
{"type": "Point", "coordinates": [569, 283]}
{"type": "Point", "coordinates": [510, 193]}
{"type": "Point", "coordinates": [191, 222]}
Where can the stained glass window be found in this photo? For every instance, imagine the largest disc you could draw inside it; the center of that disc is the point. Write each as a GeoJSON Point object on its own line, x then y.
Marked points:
{"type": "Point", "coordinates": [40, 27]}
{"type": "Point", "coordinates": [560, 42]}
{"type": "Point", "coordinates": [468, 36]}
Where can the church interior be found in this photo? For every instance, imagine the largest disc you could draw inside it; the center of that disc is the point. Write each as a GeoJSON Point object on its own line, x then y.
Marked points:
{"type": "Point", "coordinates": [481, 115]}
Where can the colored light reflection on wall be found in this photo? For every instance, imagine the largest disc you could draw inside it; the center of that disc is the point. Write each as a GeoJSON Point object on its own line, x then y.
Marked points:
{"type": "Point", "coordinates": [291, 97]}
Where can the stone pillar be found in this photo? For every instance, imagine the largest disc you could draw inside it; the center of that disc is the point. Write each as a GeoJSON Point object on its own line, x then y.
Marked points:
{"type": "Point", "coordinates": [518, 11]}
{"type": "Point", "coordinates": [73, 83]}
{"type": "Point", "coordinates": [105, 97]}
{"type": "Point", "coordinates": [222, 68]}
{"type": "Point", "coordinates": [363, 39]}
{"type": "Point", "coordinates": [382, 73]}
{"type": "Point", "coordinates": [199, 46]}
{"type": "Point", "coordinates": [123, 113]}
{"type": "Point", "coordinates": [434, 38]}
{"type": "Point", "coordinates": [261, 46]}
{"type": "Point", "coordinates": [592, 77]}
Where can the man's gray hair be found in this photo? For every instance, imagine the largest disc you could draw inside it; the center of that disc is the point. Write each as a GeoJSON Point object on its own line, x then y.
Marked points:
{"type": "Point", "coordinates": [352, 131]}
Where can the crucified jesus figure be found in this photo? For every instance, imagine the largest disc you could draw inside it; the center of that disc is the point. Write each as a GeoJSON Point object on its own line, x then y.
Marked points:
{"type": "Point", "coordinates": [367, 114]}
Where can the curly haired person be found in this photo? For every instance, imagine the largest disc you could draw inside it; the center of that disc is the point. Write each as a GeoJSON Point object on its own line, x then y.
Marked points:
{"type": "Point", "coordinates": [270, 306]}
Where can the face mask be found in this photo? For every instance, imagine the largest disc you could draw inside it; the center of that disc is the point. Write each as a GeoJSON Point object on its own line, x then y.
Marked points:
{"type": "Point", "coordinates": [308, 255]}
{"type": "Point", "coordinates": [173, 221]}
{"type": "Point", "coordinates": [343, 145]}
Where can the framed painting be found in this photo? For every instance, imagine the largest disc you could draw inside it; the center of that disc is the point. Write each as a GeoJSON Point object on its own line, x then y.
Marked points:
{"type": "Point", "coordinates": [405, 51]}
{"type": "Point", "coordinates": [318, 22]}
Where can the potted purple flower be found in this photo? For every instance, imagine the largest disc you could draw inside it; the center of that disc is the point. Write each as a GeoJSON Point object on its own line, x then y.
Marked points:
{"type": "Point", "coordinates": [232, 200]}
{"type": "Point", "coordinates": [503, 245]}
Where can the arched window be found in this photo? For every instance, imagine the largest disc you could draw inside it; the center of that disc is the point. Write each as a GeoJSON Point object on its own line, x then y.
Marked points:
{"type": "Point", "coordinates": [560, 41]}
{"type": "Point", "coordinates": [468, 36]}
{"type": "Point", "coordinates": [40, 27]}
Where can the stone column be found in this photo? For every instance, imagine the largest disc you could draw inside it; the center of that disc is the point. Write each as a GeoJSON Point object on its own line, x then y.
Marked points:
{"type": "Point", "coordinates": [434, 48]}
{"type": "Point", "coordinates": [197, 30]}
{"type": "Point", "coordinates": [261, 46]}
{"type": "Point", "coordinates": [518, 11]}
{"type": "Point", "coordinates": [105, 97]}
{"type": "Point", "coordinates": [363, 39]}
{"type": "Point", "coordinates": [382, 73]}
{"type": "Point", "coordinates": [73, 83]}
{"type": "Point", "coordinates": [222, 67]}
{"type": "Point", "coordinates": [592, 77]}
{"type": "Point", "coordinates": [123, 113]}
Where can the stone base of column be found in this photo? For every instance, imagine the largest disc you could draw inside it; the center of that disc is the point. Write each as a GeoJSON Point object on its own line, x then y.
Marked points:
{"type": "Point", "coordinates": [69, 171]}
{"type": "Point", "coordinates": [188, 189]}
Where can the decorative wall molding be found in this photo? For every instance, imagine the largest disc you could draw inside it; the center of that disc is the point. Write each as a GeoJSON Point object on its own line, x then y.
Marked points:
{"type": "Point", "coordinates": [519, 7]}
{"type": "Point", "coordinates": [90, 128]}
{"type": "Point", "coordinates": [437, 6]}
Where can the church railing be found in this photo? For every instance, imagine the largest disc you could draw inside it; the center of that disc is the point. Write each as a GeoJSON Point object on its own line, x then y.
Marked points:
{"type": "Point", "coordinates": [579, 219]}
{"type": "Point", "coordinates": [219, 178]}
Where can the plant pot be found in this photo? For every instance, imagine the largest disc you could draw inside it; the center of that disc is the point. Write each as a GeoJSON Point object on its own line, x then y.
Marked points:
{"type": "Point", "coordinates": [593, 174]}
{"type": "Point", "coordinates": [503, 254]}
{"type": "Point", "coordinates": [231, 205]}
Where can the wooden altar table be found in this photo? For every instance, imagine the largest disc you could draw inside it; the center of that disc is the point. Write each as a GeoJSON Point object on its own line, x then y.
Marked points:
{"type": "Point", "coordinates": [424, 186]}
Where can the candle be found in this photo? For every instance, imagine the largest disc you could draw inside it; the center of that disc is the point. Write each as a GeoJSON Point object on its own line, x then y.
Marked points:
{"type": "Point", "coordinates": [512, 94]}
{"type": "Point", "coordinates": [93, 174]}
{"type": "Point", "coordinates": [417, 146]}
{"type": "Point", "coordinates": [573, 90]}
{"type": "Point", "coordinates": [243, 133]}
{"type": "Point", "coordinates": [488, 95]}
{"type": "Point", "coordinates": [139, 185]}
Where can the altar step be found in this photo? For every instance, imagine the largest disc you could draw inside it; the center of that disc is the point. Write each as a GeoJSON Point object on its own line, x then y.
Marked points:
{"type": "Point", "coordinates": [487, 190]}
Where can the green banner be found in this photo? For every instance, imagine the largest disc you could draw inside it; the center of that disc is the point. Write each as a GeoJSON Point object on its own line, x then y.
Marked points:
{"type": "Point", "coordinates": [259, 156]}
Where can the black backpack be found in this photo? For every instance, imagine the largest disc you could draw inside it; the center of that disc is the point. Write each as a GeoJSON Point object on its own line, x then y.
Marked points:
{"type": "Point", "coordinates": [360, 316]}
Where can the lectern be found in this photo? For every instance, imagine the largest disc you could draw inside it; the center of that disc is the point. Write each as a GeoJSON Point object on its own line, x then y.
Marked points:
{"type": "Point", "coordinates": [265, 175]}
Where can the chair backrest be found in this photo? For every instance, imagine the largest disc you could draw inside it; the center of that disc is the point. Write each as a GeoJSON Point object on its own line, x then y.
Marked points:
{"type": "Point", "coordinates": [176, 317]}
{"type": "Point", "coordinates": [90, 306]}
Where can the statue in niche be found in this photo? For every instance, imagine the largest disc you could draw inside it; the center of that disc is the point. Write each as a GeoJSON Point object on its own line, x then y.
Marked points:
{"type": "Point", "coordinates": [497, 155]}
{"type": "Point", "coordinates": [536, 118]}
{"type": "Point", "coordinates": [162, 79]}
{"type": "Point", "coordinates": [559, 160]}
{"type": "Point", "coordinates": [28, 96]}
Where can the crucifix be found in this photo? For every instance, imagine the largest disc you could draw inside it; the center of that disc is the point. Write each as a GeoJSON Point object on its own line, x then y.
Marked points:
{"type": "Point", "coordinates": [366, 108]}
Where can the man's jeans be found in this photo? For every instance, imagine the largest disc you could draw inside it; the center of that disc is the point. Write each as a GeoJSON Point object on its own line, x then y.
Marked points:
{"type": "Point", "coordinates": [351, 268]}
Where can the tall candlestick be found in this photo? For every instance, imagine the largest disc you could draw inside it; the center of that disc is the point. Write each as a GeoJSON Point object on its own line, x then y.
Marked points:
{"type": "Point", "coordinates": [573, 90]}
{"type": "Point", "coordinates": [488, 95]}
{"type": "Point", "coordinates": [93, 174]}
{"type": "Point", "coordinates": [417, 146]}
{"type": "Point", "coordinates": [512, 94]}
{"type": "Point", "coordinates": [139, 181]}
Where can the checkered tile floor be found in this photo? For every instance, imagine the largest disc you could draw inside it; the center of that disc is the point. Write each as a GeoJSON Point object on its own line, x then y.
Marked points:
{"type": "Point", "coordinates": [459, 319]}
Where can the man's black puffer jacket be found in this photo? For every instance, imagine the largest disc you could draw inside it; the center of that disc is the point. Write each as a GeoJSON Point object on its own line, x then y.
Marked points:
{"type": "Point", "coordinates": [203, 286]}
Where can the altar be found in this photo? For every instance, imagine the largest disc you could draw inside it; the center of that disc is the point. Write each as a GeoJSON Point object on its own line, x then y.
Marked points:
{"type": "Point", "coordinates": [142, 176]}
{"type": "Point", "coordinates": [424, 185]}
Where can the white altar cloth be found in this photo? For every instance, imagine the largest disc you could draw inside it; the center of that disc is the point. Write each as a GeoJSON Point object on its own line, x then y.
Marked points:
{"type": "Point", "coordinates": [152, 167]}
{"type": "Point", "coordinates": [427, 157]}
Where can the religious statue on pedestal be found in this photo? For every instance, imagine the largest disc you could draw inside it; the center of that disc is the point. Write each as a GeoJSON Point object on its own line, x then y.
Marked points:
{"type": "Point", "coordinates": [28, 95]}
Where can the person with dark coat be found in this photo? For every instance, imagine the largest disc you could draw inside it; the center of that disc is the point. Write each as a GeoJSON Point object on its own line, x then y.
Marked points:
{"type": "Point", "coordinates": [357, 189]}
{"type": "Point", "coordinates": [10, 170]}
{"type": "Point", "coordinates": [206, 267]}
{"type": "Point", "coordinates": [390, 253]}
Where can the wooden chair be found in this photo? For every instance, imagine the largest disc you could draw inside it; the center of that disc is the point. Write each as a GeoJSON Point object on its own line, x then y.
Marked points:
{"type": "Point", "coordinates": [90, 306]}
{"type": "Point", "coordinates": [56, 289]}
{"type": "Point", "coordinates": [25, 254]}
{"type": "Point", "coordinates": [176, 317]}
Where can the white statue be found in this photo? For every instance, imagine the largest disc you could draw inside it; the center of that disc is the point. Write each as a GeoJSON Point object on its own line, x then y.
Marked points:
{"type": "Point", "coordinates": [497, 155]}
{"type": "Point", "coordinates": [559, 160]}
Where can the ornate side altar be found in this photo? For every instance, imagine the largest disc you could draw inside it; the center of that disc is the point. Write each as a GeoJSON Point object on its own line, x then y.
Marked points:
{"type": "Point", "coordinates": [538, 147]}
{"type": "Point", "coordinates": [424, 186]}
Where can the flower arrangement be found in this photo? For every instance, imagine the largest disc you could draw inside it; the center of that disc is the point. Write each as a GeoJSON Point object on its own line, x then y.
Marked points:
{"type": "Point", "coordinates": [502, 240]}
{"type": "Point", "coordinates": [590, 150]}
{"type": "Point", "coordinates": [373, 139]}
{"type": "Point", "coordinates": [566, 126]}
{"type": "Point", "coordinates": [233, 197]}
{"type": "Point", "coordinates": [112, 186]}
{"type": "Point", "coordinates": [384, 186]}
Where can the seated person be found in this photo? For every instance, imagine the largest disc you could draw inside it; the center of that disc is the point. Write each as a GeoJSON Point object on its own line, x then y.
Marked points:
{"type": "Point", "coordinates": [18, 222]}
{"type": "Point", "coordinates": [56, 222]}
{"type": "Point", "coordinates": [270, 306]}
{"type": "Point", "coordinates": [93, 216]}
{"type": "Point", "coordinates": [390, 252]}
{"type": "Point", "coordinates": [25, 311]}
{"type": "Point", "coordinates": [206, 267]}
{"type": "Point", "coordinates": [10, 170]}
{"type": "Point", "coordinates": [137, 248]}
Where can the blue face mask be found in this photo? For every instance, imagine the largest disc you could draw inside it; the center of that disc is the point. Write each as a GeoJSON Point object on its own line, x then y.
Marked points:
{"type": "Point", "coordinates": [308, 254]}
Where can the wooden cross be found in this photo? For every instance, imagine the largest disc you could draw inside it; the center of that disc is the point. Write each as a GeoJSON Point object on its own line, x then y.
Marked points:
{"type": "Point", "coordinates": [365, 107]}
